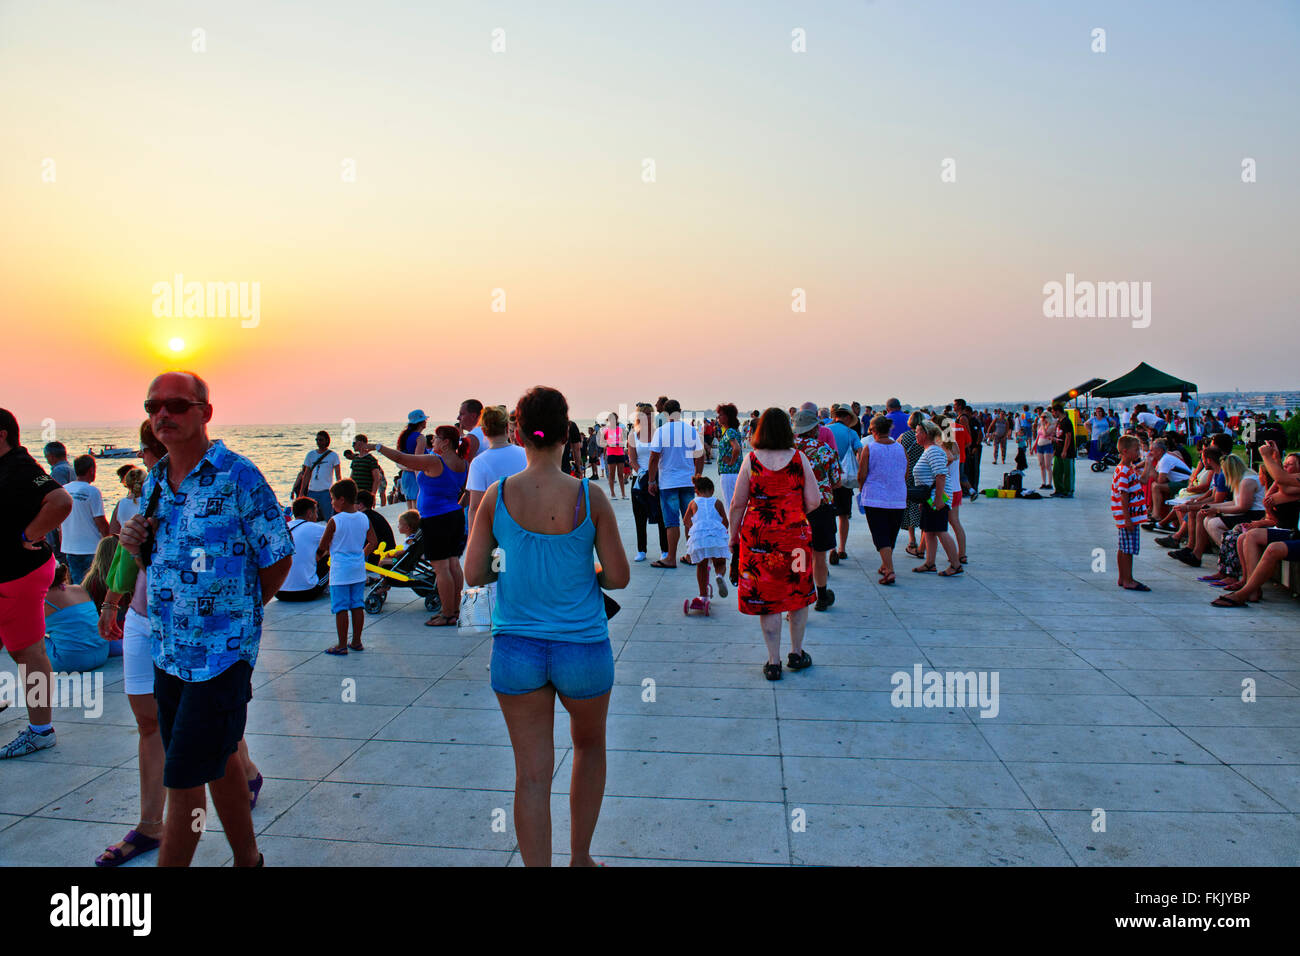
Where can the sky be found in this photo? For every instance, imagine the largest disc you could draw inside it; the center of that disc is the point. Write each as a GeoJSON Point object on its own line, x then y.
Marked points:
{"type": "Point", "coordinates": [425, 218]}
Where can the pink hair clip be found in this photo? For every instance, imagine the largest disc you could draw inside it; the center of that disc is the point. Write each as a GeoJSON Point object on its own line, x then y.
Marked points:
{"type": "Point", "coordinates": [539, 434]}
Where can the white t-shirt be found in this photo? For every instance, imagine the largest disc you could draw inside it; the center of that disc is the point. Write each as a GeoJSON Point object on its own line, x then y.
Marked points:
{"type": "Point", "coordinates": [322, 476]}
{"type": "Point", "coordinates": [1149, 419]}
{"type": "Point", "coordinates": [306, 538]}
{"type": "Point", "coordinates": [477, 432]}
{"type": "Point", "coordinates": [80, 536]}
{"type": "Point", "coordinates": [493, 463]}
{"type": "Point", "coordinates": [127, 509]}
{"type": "Point", "coordinates": [1174, 467]}
{"type": "Point", "coordinates": [347, 547]}
{"type": "Point", "coordinates": [1124, 417]}
{"type": "Point", "coordinates": [678, 444]}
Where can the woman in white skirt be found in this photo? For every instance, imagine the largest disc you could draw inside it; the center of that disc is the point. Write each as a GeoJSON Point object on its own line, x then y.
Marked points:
{"type": "Point", "coordinates": [705, 525]}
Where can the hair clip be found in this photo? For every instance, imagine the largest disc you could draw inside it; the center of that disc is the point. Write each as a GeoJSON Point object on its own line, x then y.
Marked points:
{"type": "Point", "coordinates": [539, 434]}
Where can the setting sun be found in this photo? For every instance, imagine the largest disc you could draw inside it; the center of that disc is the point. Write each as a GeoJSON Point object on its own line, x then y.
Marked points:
{"type": "Point", "coordinates": [177, 345]}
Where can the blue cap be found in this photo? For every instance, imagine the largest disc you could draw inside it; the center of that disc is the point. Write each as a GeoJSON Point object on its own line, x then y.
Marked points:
{"type": "Point", "coordinates": [416, 417]}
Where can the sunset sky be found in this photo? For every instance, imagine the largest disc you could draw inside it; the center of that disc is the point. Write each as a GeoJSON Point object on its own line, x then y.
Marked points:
{"type": "Point", "coordinates": [522, 171]}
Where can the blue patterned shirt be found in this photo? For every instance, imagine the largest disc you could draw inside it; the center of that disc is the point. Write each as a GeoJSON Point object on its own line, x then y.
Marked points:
{"type": "Point", "coordinates": [214, 534]}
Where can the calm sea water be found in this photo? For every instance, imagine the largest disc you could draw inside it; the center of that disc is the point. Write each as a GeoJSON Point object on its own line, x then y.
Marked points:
{"type": "Point", "coordinates": [278, 450]}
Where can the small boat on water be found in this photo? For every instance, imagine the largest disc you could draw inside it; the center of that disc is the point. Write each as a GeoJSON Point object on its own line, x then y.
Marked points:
{"type": "Point", "coordinates": [107, 452]}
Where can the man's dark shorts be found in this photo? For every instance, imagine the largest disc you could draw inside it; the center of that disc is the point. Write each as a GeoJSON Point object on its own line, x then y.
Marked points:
{"type": "Point", "coordinates": [843, 501]}
{"type": "Point", "coordinates": [201, 723]}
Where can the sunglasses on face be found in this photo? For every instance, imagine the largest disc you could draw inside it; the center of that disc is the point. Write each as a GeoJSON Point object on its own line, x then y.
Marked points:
{"type": "Point", "coordinates": [174, 406]}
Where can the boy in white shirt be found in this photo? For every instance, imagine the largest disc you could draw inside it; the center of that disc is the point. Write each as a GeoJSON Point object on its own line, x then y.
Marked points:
{"type": "Point", "coordinates": [348, 539]}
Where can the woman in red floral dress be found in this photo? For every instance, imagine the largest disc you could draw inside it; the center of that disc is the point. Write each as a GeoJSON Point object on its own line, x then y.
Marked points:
{"type": "Point", "coordinates": [775, 490]}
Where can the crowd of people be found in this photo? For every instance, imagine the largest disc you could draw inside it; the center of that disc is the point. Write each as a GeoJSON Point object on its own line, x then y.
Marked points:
{"type": "Point", "coordinates": [502, 499]}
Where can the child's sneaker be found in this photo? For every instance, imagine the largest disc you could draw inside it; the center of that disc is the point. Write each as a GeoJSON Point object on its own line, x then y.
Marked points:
{"type": "Point", "coordinates": [722, 586]}
{"type": "Point", "coordinates": [697, 604]}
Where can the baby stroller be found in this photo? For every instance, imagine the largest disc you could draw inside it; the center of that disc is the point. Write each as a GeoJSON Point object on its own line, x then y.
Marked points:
{"type": "Point", "coordinates": [1109, 450]}
{"type": "Point", "coordinates": [410, 570]}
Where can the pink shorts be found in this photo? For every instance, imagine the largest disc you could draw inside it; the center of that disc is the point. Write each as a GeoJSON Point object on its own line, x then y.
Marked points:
{"type": "Point", "coordinates": [956, 499]}
{"type": "Point", "coordinates": [22, 607]}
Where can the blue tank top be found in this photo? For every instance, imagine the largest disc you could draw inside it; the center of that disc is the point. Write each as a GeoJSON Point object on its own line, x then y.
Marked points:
{"type": "Point", "coordinates": [547, 586]}
{"type": "Point", "coordinates": [438, 495]}
{"type": "Point", "coordinates": [73, 633]}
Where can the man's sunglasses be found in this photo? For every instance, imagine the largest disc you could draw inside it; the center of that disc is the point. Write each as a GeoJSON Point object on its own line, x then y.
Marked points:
{"type": "Point", "coordinates": [174, 406]}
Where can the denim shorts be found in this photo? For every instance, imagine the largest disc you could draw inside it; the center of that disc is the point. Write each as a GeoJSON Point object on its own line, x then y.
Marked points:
{"type": "Point", "coordinates": [345, 597]}
{"type": "Point", "coordinates": [673, 502]}
{"type": "Point", "coordinates": [521, 665]}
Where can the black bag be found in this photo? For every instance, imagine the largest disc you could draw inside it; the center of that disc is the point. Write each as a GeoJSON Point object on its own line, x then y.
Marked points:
{"type": "Point", "coordinates": [1011, 481]}
{"type": "Point", "coordinates": [918, 493]}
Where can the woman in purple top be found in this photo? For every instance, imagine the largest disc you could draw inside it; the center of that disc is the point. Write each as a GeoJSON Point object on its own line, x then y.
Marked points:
{"type": "Point", "coordinates": [882, 473]}
{"type": "Point", "coordinates": [441, 478]}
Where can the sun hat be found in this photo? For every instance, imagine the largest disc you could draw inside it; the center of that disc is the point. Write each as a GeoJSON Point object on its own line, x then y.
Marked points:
{"type": "Point", "coordinates": [417, 416]}
{"type": "Point", "coordinates": [804, 421]}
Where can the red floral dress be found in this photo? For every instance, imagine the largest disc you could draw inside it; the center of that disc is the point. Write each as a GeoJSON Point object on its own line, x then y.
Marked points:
{"type": "Point", "coordinates": [776, 560]}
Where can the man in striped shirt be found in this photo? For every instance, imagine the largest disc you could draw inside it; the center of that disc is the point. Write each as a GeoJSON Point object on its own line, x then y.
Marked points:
{"type": "Point", "coordinates": [1128, 505]}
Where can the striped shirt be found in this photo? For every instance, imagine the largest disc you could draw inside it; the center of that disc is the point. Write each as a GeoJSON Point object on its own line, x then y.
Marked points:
{"type": "Point", "coordinates": [1126, 481]}
{"type": "Point", "coordinates": [932, 463]}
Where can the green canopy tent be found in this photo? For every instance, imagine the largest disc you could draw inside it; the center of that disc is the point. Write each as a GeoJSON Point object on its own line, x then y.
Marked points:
{"type": "Point", "coordinates": [1145, 380]}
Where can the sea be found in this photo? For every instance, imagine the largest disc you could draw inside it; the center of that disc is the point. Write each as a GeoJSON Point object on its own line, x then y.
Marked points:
{"type": "Point", "coordinates": [278, 450]}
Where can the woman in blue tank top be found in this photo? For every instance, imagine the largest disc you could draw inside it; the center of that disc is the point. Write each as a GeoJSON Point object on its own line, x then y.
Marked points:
{"type": "Point", "coordinates": [534, 534]}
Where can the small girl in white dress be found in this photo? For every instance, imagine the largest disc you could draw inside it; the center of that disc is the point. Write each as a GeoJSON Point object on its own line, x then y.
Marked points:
{"type": "Point", "coordinates": [705, 525]}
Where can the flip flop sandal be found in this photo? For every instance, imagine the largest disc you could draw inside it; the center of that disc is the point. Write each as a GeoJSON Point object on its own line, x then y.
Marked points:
{"type": "Point", "coordinates": [1209, 578]}
{"type": "Point", "coordinates": [1138, 587]}
{"type": "Point", "coordinates": [337, 651]}
{"type": "Point", "coordinates": [353, 647]}
{"type": "Point", "coordinates": [924, 569]}
{"type": "Point", "coordinates": [1224, 601]}
{"type": "Point", "coordinates": [914, 552]}
{"type": "Point", "coordinates": [660, 564]}
{"type": "Point", "coordinates": [139, 844]}
{"type": "Point", "coordinates": [888, 578]}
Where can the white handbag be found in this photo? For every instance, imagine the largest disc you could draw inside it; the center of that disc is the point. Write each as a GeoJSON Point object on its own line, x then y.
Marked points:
{"type": "Point", "coordinates": [476, 610]}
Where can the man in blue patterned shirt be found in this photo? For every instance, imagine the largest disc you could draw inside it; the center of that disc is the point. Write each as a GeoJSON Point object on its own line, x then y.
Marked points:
{"type": "Point", "coordinates": [217, 550]}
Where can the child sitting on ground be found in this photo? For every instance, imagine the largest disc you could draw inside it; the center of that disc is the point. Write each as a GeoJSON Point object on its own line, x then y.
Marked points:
{"type": "Point", "coordinates": [349, 539]}
{"type": "Point", "coordinates": [705, 527]}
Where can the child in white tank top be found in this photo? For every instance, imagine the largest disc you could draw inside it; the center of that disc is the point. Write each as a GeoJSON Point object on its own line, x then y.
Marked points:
{"type": "Point", "coordinates": [348, 539]}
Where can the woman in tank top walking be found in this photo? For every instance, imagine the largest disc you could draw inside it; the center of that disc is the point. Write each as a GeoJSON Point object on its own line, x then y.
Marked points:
{"type": "Point", "coordinates": [549, 631]}
{"type": "Point", "coordinates": [882, 473]}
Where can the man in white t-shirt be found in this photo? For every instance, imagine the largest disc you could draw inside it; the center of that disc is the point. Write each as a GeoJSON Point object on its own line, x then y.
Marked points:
{"type": "Point", "coordinates": [1171, 475]}
{"type": "Point", "coordinates": [1149, 419]}
{"type": "Point", "coordinates": [86, 525]}
{"type": "Point", "coordinates": [676, 457]}
{"type": "Point", "coordinates": [468, 419]}
{"type": "Point", "coordinates": [320, 469]}
{"type": "Point", "coordinates": [1124, 419]}
{"type": "Point", "coordinates": [305, 582]}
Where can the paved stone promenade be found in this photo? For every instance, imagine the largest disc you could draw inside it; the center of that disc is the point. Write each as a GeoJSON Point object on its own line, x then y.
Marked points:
{"type": "Point", "coordinates": [1124, 702]}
